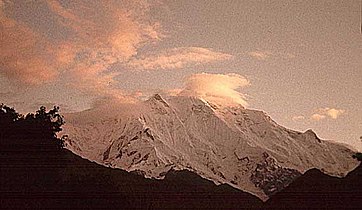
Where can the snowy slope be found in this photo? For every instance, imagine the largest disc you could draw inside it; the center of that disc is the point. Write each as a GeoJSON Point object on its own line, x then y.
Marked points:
{"type": "Point", "coordinates": [233, 145]}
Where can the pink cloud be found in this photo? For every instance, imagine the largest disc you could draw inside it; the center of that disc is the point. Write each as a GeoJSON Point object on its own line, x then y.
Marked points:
{"type": "Point", "coordinates": [98, 41]}
{"type": "Point", "coordinates": [318, 117]}
{"type": "Point", "coordinates": [332, 113]}
{"type": "Point", "coordinates": [178, 58]}
{"type": "Point", "coordinates": [21, 58]}
{"type": "Point", "coordinates": [221, 89]}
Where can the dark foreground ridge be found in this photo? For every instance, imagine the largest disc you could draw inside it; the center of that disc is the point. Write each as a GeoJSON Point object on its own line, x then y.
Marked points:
{"type": "Point", "coordinates": [316, 190]}
{"type": "Point", "coordinates": [37, 173]}
{"type": "Point", "coordinates": [63, 180]}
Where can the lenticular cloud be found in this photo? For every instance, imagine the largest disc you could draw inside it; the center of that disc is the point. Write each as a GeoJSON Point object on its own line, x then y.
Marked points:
{"type": "Point", "coordinates": [218, 88]}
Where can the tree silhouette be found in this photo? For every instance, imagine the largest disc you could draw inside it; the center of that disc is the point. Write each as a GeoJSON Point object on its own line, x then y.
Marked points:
{"type": "Point", "coordinates": [7, 118]}
{"type": "Point", "coordinates": [40, 127]}
{"type": "Point", "coordinates": [7, 114]}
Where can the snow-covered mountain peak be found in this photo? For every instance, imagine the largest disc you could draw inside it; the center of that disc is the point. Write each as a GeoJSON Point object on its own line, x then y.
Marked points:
{"type": "Point", "coordinates": [226, 144]}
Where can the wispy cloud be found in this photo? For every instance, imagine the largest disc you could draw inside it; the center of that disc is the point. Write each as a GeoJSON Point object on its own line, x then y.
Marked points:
{"type": "Point", "coordinates": [114, 35]}
{"type": "Point", "coordinates": [218, 88]}
{"type": "Point", "coordinates": [102, 41]}
{"type": "Point", "coordinates": [178, 58]}
{"type": "Point", "coordinates": [260, 55]}
{"type": "Point", "coordinates": [266, 54]}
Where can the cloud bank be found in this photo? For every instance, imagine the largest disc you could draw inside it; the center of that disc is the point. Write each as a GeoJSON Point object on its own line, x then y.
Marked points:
{"type": "Point", "coordinates": [221, 89]}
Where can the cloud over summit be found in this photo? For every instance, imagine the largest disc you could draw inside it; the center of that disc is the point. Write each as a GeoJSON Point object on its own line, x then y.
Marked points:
{"type": "Point", "coordinates": [218, 88]}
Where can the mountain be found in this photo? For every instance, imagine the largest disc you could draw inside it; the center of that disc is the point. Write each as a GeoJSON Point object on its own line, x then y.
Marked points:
{"type": "Point", "coordinates": [225, 144]}
{"type": "Point", "coordinates": [37, 173]}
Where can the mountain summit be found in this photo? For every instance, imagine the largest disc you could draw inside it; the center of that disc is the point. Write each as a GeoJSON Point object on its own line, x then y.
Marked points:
{"type": "Point", "coordinates": [226, 144]}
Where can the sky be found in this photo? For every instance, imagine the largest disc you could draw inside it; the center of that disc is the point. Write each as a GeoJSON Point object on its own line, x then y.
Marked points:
{"type": "Point", "coordinates": [299, 61]}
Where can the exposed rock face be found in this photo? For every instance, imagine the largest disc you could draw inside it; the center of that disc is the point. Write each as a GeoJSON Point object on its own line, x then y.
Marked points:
{"type": "Point", "coordinates": [271, 177]}
{"type": "Point", "coordinates": [222, 144]}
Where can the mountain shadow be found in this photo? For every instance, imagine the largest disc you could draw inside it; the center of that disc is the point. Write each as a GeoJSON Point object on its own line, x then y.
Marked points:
{"type": "Point", "coordinates": [37, 173]}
